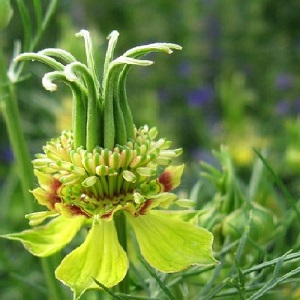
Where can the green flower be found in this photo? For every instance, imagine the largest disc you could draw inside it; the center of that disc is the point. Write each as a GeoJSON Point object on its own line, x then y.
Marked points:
{"type": "Point", "coordinates": [105, 169]}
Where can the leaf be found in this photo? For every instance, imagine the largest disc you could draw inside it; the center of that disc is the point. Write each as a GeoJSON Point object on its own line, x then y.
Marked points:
{"type": "Point", "coordinates": [99, 258]}
{"type": "Point", "coordinates": [45, 240]}
{"type": "Point", "coordinates": [280, 184]}
{"type": "Point", "coordinates": [171, 245]}
{"type": "Point", "coordinates": [158, 280]}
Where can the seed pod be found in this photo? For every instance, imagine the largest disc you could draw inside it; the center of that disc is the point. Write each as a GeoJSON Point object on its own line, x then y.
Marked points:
{"type": "Point", "coordinates": [262, 225]}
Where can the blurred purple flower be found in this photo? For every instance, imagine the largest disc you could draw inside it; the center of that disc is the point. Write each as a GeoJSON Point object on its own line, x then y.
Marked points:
{"type": "Point", "coordinates": [213, 28]}
{"type": "Point", "coordinates": [185, 69]}
{"type": "Point", "coordinates": [283, 107]}
{"type": "Point", "coordinates": [284, 81]}
{"type": "Point", "coordinates": [213, 33]}
{"type": "Point", "coordinates": [201, 96]}
{"type": "Point", "coordinates": [208, 2]}
{"type": "Point", "coordinates": [163, 95]}
{"type": "Point", "coordinates": [204, 155]}
{"type": "Point", "coordinates": [297, 106]}
{"type": "Point", "coordinates": [6, 155]}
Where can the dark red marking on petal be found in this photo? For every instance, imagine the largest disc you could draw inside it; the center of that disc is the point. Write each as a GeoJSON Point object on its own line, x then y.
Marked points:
{"type": "Point", "coordinates": [53, 196]}
{"type": "Point", "coordinates": [165, 180]}
{"type": "Point", "coordinates": [107, 215]}
{"type": "Point", "coordinates": [55, 184]}
{"type": "Point", "coordinates": [77, 211]}
{"type": "Point", "coordinates": [53, 199]}
{"type": "Point", "coordinates": [144, 207]}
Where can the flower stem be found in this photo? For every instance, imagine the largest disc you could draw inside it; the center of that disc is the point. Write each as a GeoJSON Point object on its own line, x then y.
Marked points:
{"type": "Point", "coordinates": [13, 122]}
{"type": "Point", "coordinates": [54, 291]}
{"type": "Point", "coordinates": [16, 137]}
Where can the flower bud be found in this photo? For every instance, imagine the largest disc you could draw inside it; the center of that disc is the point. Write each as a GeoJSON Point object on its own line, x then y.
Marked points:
{"type": "Point", "coordinates": [262, 223]}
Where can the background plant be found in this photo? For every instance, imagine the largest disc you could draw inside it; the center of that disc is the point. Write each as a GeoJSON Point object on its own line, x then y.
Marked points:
{"type": "Point", "coordinates": [235, 83]}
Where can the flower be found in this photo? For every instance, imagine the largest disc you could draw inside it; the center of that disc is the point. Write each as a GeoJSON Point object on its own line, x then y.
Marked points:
{"type": "Point", "coordinates": [78, 182]}
{"type": "Point", "coordinates": [284, 81]}
{"type": "Point", "coordinates": [103, 170]}
{"type": "Point", "coordinates": [201, 96]}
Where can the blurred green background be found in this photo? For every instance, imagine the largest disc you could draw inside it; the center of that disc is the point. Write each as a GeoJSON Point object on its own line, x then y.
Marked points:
{"type": "Point", "coordinates": [236, 82]}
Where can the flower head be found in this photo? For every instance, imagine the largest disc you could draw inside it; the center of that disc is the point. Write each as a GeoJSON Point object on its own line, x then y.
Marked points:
{"type": "Point", "coordinates": [105, 168]}
{"type": "Point", "coordinates": [77, 182]}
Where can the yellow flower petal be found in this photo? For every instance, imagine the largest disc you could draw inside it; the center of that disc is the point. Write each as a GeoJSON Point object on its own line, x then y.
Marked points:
{"type": "Point", "coordinates": [171, 245]}
{"type": "Point", "coordinates": [48, 239]}
{"type": "Point", "coordinates": [100, 257]}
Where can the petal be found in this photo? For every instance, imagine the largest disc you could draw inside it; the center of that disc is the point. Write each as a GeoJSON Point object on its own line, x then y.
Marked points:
{"type": "Point", "coordinates": [100, 257]}
{"type": "Point", "coordinates": [47, 182]}
{"type": "Point", "coordinates": [43, 197]}
{"type": "Point", "coordinates": [45, 240]}
{"type": "Point", "coordinates": [171, 245]}
{"type": "Point", "coordinates": [163, 200]}
{"type": "Point", "coordinates": [170, 178]}
{"type": "Point", "coordinates": [39, 217]}
{"type": "Point", "coordinates": [185, 215]}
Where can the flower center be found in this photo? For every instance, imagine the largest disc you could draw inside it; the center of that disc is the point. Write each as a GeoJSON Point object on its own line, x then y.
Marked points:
{"type": "Point", "coordinates": [103, 181]}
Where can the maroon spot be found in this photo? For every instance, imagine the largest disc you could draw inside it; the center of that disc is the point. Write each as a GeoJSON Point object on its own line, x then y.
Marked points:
{"type": "Point", "coordinates": [107, 215]}
{"type": "Point", "coordinates": [165, 180]}
{"type": "Point", "coordinates": [53, 199]}
{"type": "Point", "coordinates": [53, 195]}
{"type": "Point", "coordinates": [55, 185]}
{"type": "Point", "coordinates": [144, 207]}
{"type": "Point", "coordinates": [77, 211]}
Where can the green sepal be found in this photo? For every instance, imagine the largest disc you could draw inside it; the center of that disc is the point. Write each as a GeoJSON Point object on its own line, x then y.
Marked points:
{"type": "Point", "coordinates": [100, 257]}
{"type": "Point", "coordinates": [48, 239]}
{"type": "Point", "coordinates": [181, 244]}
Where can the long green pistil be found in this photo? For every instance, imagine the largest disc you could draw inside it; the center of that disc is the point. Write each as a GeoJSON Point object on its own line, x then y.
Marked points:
{"type": "Point", "coordinates": [101, 114]}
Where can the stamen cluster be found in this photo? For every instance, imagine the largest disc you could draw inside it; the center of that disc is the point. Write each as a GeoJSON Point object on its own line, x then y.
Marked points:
{"type": "Point", "coordinates": [103, 181]}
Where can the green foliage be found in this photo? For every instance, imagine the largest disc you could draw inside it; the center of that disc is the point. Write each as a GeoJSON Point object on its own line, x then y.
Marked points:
{"type": "Point", "coordinates": [6, 13]}
{"type": "Point", "coordinates": [235, 83]}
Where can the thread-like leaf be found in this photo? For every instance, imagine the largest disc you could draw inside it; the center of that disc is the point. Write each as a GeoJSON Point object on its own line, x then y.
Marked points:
{"type": "Point", "coordinates": [154, 275]}
{"type": "Point", "coordinates": [280, 184]}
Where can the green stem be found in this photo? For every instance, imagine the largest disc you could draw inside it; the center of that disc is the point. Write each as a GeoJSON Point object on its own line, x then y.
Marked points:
{"type": "Point", "coordinates": [16, 138]}
{"type": "Point", "coordinates": [55, 292]}
{"type": "Point", "coordinates": [51, 9]}
{"type": "Point", "coordinates": [15, 133]}
{"type": "Point", "coordinates": [23, 163]}
{"type": "Point", "coordinates": [30, 44]}
{"type": "Point", "coordinates": [120, 222]}
{"type": "Point", "coordinates": [26, 21]}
